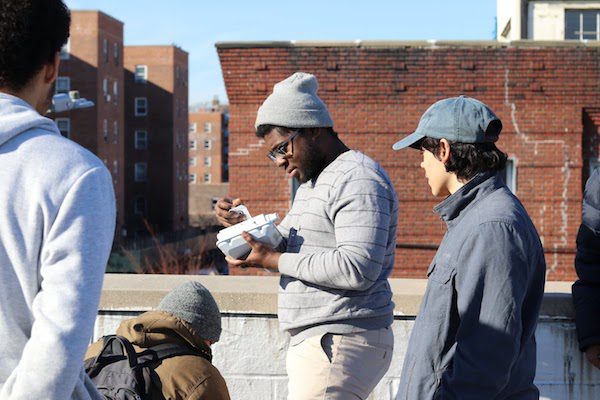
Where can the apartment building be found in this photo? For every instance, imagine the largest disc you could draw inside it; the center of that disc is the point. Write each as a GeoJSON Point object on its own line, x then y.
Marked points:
{"type": "Point", "coordinates": [548, 20]}
{"type": "Point", "coordinates": [208, 157]}
{"type": "Point", "coordinates": [156, 125]}
{"type": "Point", "coordinates": [208, 143]}
{"type": "Point", "coordinates": [92, 63]}
{"type": "Point", "coordinates": [138, 125]}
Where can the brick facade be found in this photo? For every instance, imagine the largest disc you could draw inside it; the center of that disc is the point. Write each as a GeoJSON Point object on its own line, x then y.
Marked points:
{"type": "Point", "coordinates": [94, 67]}
{"type": "Point", "coordinates": [545, 93]}
{"type": "Point", "coordinates": [162, 197]}
{"type": "Point", "coordinates": [208, 136]}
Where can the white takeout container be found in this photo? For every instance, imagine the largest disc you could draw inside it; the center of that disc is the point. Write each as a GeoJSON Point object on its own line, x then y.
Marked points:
{"type": "Point", "coordinates": [262, 228]}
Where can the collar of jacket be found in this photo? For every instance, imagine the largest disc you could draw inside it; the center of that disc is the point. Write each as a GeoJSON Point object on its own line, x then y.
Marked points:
{"type": "Point", "coordinates": [158, 327]}
{"type": "Point", "coordinates": [454, 206]}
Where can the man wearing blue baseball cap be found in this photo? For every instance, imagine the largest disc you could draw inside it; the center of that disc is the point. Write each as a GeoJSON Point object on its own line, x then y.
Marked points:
{"type": "Point", "coordinates": [474, 335]}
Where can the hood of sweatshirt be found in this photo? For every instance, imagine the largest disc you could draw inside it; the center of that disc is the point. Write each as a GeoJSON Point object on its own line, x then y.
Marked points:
{"type": "Point", "coordinates": [156, 327]}
{"type": "Point", "coordinates": [17, 116]}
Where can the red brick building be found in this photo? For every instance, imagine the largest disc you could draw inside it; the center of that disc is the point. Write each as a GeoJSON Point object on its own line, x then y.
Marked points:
{"type": "Point", "coordinates": [156, 125]}
{"type": "Point", "coordinates": [92, 63]}
{"type": "Point", "coordinates": [545, 93]}
{"type": "Point", "coordinates": [208, 166]}
{"type": "Point", "coordinates": [208, 147]}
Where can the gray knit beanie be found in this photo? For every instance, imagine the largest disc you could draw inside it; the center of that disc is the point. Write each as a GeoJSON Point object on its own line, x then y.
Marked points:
{"type": "Point", "coordinates": [294, 104]}
{"type": "Point", "coordinates": [194, 304]}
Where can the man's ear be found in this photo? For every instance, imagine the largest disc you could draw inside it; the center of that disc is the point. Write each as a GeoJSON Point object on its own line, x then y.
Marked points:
{"type": "Point", "coordinates": [444, 151]}
{"type": "Point", "coordinates": [51, 69]}
{"type": "Point", "coordinates": [316, 132]}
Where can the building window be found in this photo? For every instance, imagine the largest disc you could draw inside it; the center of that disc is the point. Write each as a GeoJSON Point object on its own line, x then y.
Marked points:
{"type": "Point", "coordinates": [64, 126]}
{"type": "Point", "coordinates": [141, 172]}
{"type": "Point", "coordinates": [105, 130]}
{"type": "Point", "coordinates": [116, 132]}
{"type": "Point", "coordinates": [141, 140]}
{"type": "Point", "coordinates": [139, 205]}
{"type": "Point", "coordinates": [141, 106]}
{"type": "Point", "coordinates": [192, 161]}
{"type": "Point", "coordinates": [582, 24]}
{"type": "Point", "coordinates": [207, 161]}
{"type": "Point", "coordinates": [177, 72]}
{"type": "Point", "coordinates": [116, 53]}
{"type": "Point", "coordinates": [105, 50]}
{"type": "Point", "coordinates": [116, 90]}
{"type": "Point", "coordinates": [509, 174]}
{"type": "Point", "coordinates": [207, 178]}
{"type": "Point", "coordinates": [63, 84]}
{"type": "Point", "coordinates": [207, 127]}
{"type": "Point", "coordinates": [141, 73]}
{"type": "Point", "coordinates": [208, 144]}
{"type": "Point", "coordinates": [193, 128]}
{"type": "Point", "coordinates": [213, 203]}
{"type": "Point", "coordinates": [105, 89]}
{"type": "Point", "coordinates": [193, 145]}
{"type": "Point", "coordinates": [65, 50]}
{"type": "Point", "coordinates": [177, 141]}
{"type": "Point", "coordinates": [115, 167]}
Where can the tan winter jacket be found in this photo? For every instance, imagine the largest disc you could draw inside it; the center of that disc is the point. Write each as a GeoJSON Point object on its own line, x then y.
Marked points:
{"type": "Point", "coordinates": [185, 377]}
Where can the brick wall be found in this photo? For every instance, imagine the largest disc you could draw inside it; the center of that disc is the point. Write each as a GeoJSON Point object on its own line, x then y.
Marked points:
{"type": "Point", "coordinates": [376, 93]}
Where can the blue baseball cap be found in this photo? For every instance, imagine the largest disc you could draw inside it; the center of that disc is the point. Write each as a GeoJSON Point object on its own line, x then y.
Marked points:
{"type": "Point", "coordinates": [458, 119]}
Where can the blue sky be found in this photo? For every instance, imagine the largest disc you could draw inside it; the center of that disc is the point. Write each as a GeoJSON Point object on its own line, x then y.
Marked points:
{"type": "Point", "coordinates": [195, 25]}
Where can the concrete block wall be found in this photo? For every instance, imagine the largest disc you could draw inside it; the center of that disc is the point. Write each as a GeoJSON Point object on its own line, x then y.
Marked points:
{"type": "Point", "coordinates": [376, 93]}
{"type": "Point", "coordinates": [251, 352]}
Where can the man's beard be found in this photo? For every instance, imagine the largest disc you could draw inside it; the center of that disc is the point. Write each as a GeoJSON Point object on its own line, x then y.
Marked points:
{"type": "Point", "coordinates": [312, 163]}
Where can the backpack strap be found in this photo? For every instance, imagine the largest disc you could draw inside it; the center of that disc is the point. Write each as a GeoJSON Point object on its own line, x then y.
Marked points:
{"type": "Point", "coordinates": [168, 350]}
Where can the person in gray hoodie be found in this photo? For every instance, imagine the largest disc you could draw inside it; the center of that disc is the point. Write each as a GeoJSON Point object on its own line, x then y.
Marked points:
{"type": "Point", "coordinates": [473, 337]}
{"type": "Point", "coordinates": [57, 217]}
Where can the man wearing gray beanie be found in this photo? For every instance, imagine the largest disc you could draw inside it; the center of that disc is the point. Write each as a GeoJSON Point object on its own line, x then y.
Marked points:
{"type": "Point", "coordinates": [340, 238]}
{"type": "Point", "coordinates": [187, 316]}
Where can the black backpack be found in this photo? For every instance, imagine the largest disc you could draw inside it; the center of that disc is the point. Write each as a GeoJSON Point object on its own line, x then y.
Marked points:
{"type": "Point", "coordinates": [120, 373]}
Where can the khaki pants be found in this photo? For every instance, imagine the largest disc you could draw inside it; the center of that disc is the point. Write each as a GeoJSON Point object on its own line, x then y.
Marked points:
{"type": "Point", "coordinates": [339, 366]}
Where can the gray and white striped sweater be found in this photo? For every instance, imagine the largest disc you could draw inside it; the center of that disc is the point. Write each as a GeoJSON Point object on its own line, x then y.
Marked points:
{"type": "Point", "coordinates": [341, 239]}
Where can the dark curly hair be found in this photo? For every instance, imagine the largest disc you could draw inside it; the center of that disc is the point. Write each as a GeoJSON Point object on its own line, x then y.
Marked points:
{"type": "Point", "coordinates": [31, 33]}
{"type": "Point", "coordinates": [468, 159]}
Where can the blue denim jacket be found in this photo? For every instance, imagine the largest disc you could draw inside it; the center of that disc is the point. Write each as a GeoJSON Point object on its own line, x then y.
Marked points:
{"type": "Point", "coordinates": [474, 335]}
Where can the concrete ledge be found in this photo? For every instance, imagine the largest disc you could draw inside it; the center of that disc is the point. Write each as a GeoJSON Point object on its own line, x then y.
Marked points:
{"type": "Point", "coordinates": [431, 44]}
{"type": "Point", "coordinates": [258, 295]}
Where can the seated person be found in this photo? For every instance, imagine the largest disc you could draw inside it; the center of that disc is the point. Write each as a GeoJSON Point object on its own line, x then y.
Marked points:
{"type": "Point", "coordinates": [189, 316]}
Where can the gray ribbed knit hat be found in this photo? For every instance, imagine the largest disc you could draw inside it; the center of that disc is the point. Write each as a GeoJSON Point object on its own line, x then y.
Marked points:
{"type": "Point", "coordinates": [294, 104]}
{"type": "Point", "coordinates": [194, 304]}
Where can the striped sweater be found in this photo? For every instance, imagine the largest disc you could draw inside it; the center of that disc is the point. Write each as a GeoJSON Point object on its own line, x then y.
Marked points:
{"type": "Point", "coordinates": [341, 239]}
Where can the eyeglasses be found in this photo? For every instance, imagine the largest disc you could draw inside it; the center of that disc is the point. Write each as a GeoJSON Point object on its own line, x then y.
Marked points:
{"type": "Point", "coordinates": [280, 151]}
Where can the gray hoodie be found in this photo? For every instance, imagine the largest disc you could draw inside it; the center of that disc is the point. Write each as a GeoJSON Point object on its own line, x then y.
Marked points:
{"type": "Point", "coordinates": [474, 338]}
{"type": "Point", "coordinates": [57, 218]}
